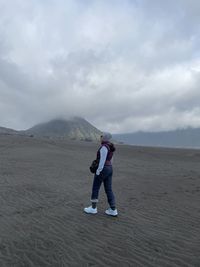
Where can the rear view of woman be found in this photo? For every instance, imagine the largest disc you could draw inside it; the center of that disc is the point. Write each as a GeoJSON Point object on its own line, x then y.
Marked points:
{"type": "Point", "coordinates": [104, 175]}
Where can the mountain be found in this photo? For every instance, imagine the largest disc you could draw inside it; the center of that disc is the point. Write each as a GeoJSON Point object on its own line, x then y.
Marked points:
{"type": "Point", "coordinates": [188, 138]}
{"type": "Point", "coordinates": [75, 128]}
{"type": "Point", "coordinates": [7, 131]}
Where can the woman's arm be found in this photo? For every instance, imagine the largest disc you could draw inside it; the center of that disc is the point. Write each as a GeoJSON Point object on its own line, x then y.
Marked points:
{"type": "Point", "coordinates": [103, 156]}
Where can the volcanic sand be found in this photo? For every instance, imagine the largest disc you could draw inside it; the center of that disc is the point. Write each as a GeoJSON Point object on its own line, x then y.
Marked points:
{"type": "Point", "coordinates": [45, 184]}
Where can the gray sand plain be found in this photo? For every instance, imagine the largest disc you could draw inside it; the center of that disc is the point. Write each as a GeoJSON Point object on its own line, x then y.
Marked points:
{"type": "Point", "coordinates": [45, 184]}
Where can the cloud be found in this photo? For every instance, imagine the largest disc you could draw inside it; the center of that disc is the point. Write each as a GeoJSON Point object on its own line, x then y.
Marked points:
{"type": "Point", "coordinates": [123, 65]}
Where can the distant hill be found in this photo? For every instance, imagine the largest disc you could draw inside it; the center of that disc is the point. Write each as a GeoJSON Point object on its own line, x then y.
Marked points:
{"type": "Point", "coordinates": [188, 138]}
{"type": "Point", "coordinates": [76, 128]}
{"type": "Point", "coordinates": [79, 129]}
{"type": "Point", "coordinates": [8, 131]}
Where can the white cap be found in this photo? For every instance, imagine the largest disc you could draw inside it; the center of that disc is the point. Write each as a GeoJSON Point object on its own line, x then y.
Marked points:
{"type": "Point", "coordinates": [106, 136]}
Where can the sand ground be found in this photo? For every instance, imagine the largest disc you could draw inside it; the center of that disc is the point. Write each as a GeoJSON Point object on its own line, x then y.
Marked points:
{"type": "Point", "coordinates": [45, 184]}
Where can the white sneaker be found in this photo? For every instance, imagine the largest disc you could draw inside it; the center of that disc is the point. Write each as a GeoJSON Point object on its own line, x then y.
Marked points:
{"type": "Point", "coordinates": [90, 210]}
{"type": "Point", "coordinates": [111, 212]}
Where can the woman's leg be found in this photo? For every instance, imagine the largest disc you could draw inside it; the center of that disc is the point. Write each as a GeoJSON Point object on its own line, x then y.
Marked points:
{"type": "Point", "coordinates": [95, 189]}
{"type": "Point", "coordinates": [108, 187]}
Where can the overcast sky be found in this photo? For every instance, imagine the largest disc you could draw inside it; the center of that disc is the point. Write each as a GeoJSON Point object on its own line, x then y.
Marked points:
{"type": "Point", "coordinates": [123, 65]}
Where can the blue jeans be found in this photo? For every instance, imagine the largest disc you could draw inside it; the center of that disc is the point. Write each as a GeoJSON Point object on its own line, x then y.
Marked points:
{"type": "Point", "coordinates": [105, 177]}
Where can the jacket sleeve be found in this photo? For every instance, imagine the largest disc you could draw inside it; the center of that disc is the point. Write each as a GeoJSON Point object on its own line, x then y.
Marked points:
{"type": "Point", "coordinates": [103, 156]}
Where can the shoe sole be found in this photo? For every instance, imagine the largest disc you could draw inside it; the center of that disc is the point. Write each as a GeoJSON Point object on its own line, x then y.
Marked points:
{"type": "Point", "coordinates": [89, 212]}
{"type": "Point", "coordinates": [111, 215]}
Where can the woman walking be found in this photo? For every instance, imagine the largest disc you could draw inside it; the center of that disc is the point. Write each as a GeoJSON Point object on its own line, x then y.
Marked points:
{"type": "Point", "coordinates": [103, 175]}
